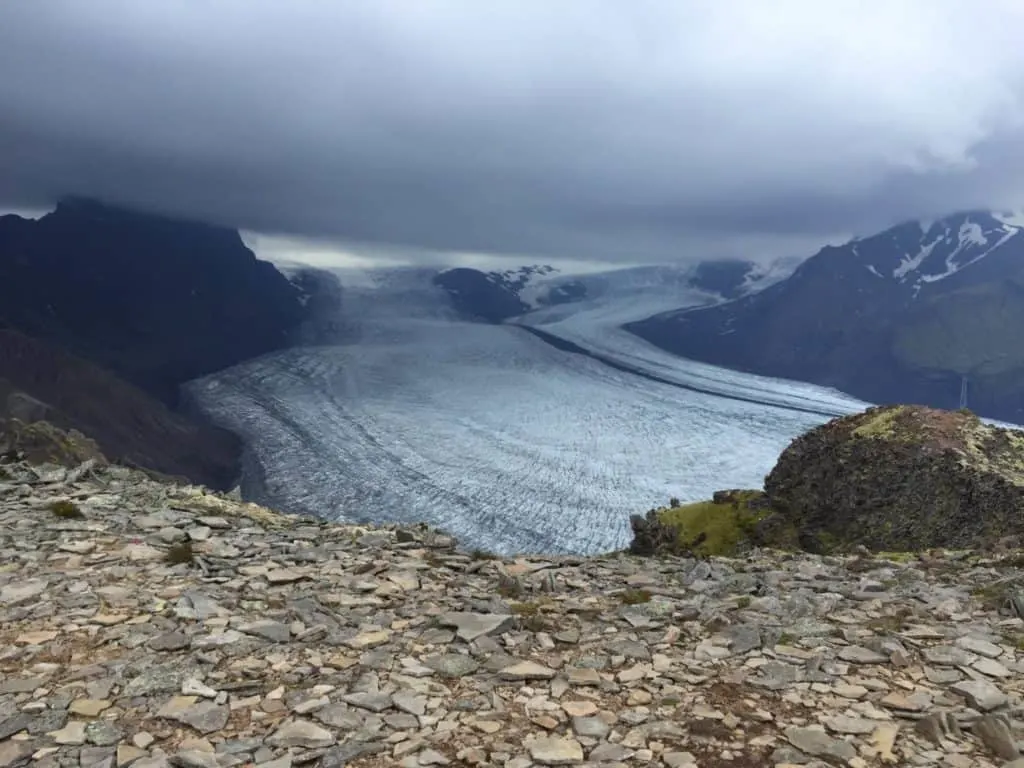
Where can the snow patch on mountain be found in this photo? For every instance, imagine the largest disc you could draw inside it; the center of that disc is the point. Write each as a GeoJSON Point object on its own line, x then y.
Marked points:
{"type": "Point", "coordinates": [927, 251]}
{"type": "Point", "coordinates": [910, 263]}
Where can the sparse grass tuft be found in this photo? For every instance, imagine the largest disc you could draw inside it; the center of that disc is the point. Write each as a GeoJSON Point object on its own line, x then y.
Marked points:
{"type": "Point", "coordinates": [530, 616]}
{"type": "Point", "coordinates": [181, 554]}
{"type": "Point", "coordinates": [896, 557]}
{"type": "Point", "coordinates": [743, 601]}
{"type": "Point", "coordinates": [482, 554]}
{"type": "Point", "coordinates": [510, 586]}
{"type": "Point", "coordinates": [891, 623]}
{"type": "Point", "coordinates": [1015, 639]}
{"type": "Point", "coordinates": [66, 510]}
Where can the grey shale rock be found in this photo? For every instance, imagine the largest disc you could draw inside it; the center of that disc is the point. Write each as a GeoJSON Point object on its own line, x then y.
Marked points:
{"type": "Point", "coordinates": [293, 642]}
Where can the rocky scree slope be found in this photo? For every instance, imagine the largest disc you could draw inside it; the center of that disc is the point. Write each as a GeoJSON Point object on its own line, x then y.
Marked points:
{"type": "Point", "coordinates": [902, 316]}
{"type": "Point", "coordinates": [150, 625]}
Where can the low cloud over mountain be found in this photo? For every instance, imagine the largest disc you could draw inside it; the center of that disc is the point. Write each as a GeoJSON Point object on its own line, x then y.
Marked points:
{"type": "Point", "coordinates": [638, 131]}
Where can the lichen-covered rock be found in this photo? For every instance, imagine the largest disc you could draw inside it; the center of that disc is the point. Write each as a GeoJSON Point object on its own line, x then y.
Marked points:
{"type": "Point", "coordinates": [901, 478]}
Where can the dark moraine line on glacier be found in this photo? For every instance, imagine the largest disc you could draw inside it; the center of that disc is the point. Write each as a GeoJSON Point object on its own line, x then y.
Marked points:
{"type": "Point", "coordinates": [568, 346]}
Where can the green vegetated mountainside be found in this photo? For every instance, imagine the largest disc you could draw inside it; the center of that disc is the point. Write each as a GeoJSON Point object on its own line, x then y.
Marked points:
{"type": "Point", "coordinates": [900, 317]}
{"type": "Point", "coordinates": [894, 478]}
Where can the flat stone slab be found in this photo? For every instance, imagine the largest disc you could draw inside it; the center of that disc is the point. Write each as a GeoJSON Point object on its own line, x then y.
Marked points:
{"type": "Point", "coordinates": [470, 626]}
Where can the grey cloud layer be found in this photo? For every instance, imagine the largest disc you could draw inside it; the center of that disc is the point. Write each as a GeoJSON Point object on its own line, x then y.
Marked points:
{"type": "Point", "coordinates": [583, 128]}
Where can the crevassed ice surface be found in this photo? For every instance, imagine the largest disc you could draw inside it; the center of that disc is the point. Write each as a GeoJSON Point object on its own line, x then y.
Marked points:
{"type": "Point", "coordinates": [493, 434]}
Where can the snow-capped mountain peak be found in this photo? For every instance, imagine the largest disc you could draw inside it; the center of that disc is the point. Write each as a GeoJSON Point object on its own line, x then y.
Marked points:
{"type": "Point", "coordinates": [927, 251]}
{"type": "Point", "coordinates": [531, 284]}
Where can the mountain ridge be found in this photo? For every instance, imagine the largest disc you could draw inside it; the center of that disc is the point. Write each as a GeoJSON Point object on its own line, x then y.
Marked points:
{"type": "Point", "coordinates": [105, 312]}
{"type": "Point", "coordinates": [877, 318]}
{"type": "Point", "coordinates": [499, 295]}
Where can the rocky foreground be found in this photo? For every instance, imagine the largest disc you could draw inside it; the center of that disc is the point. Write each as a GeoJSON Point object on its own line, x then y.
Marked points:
{"type": "Point", "coordinates": [147, 625]}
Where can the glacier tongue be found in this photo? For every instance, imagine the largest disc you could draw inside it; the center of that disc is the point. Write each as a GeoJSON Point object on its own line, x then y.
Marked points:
{"type": "Point", "coordinates": [489, 432]}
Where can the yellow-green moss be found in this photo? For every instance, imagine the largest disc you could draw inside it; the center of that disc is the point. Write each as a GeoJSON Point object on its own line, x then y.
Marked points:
{"type": "Point", "coordinates": [66, 509]}
{"type": "Point", "coordinates": [881, 424]}
{"type": "Point", "coordinates": [181, 553]}
{"type": "Point", "coordinates": [896, 557]}
{"type": "Point", "coordinates": [721, 528]}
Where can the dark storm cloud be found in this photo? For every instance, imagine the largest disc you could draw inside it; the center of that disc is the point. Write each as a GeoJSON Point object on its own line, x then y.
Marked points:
{"type": "Point", "coordinates": [583, 128]}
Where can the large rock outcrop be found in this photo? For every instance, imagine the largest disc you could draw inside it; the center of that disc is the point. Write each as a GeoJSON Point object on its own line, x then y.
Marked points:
{"type": "Point", "coordinates": [893, 478]}
{"type": "Point", "coordinates": [901, 478]}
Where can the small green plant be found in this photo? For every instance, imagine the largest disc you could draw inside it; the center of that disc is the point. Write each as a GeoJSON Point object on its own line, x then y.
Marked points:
{"type": "Point", "coordinates": [674, 502]}
{"type": "Point", "coordinates": [530, 608]}
{"type": "Point", "coordinates": [482, 554]}
{"type": "Point", "coordinates": [1015, 639]}
{"type": "Point", "coordinates": [743, 602]}
{"type": "Point", "coordinates": [891, 623]}
{"type": "Point", "coordinates": [181, 553]}
{"type": "Point", "coordinates": [530, 616]}
{"type": "Point", "coordinates": [635, 596]}
{"type": "Point", "coordinates": [786, 638]}
{"type": "Point", "coordinates": [510, 586]}
{"type": "Point", "coordinates": [66, 510]}
{"type": "Point", "coordinates": [433, 560]}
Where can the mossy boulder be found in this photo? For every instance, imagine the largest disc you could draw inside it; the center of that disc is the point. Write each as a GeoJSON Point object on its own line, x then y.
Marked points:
{"type": "Point", "coordinates": [42, 443]}
{"type": "Point", "coordinates": [725, 526]}
{"type": "Point", "coordinates": [901, 478]}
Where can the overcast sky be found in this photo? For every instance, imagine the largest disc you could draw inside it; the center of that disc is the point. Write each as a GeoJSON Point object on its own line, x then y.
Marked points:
{"type": "Point", "coordinates": [633, 131]}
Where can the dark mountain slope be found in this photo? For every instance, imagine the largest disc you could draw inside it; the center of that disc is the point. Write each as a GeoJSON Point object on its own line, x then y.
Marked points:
{"type": "Point", "coordinates": [39, 382]}
{"type": "Point", "coordinates": [154, 300]}
{"type": "Point", "coordinates": [901, 316]}
{"type": "Point", "coordinates": [104, 313]}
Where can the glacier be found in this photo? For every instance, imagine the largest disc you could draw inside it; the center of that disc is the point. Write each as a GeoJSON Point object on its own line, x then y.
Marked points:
{"type": "Point", "coordinates": [496, 435]}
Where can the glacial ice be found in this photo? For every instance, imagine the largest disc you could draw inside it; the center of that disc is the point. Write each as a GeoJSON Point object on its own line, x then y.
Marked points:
{"type": "Point", "coordinates": [489, 432]}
